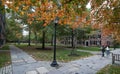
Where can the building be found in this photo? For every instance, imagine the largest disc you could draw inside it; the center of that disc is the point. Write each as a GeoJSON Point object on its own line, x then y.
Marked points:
{"type": "Point", "coordinates": [95, 38]}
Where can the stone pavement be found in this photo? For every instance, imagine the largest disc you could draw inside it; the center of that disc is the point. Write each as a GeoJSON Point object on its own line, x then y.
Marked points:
{"type": "Point", "coordinates": [116, 51]}
{"type": "Point", "coordinates": [88, 65]}
{"type": "Point", "coordinates": [94, 52]}
{"type": "Point", "coordinates": [23, 63]}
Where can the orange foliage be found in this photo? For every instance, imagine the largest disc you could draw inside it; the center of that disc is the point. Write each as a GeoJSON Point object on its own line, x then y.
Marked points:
{"type": "Point", "coordinates": [48, 11]}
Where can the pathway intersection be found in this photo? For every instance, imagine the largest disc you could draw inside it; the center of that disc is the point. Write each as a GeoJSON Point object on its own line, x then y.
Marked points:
{"type": "Point", "coordinates": [22, 63]}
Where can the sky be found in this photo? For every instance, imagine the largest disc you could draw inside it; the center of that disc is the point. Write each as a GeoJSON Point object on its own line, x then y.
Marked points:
{"type": "Point", "coordinates": [24, 31]}
{"type": "Point", "coordinates": [88, 5]}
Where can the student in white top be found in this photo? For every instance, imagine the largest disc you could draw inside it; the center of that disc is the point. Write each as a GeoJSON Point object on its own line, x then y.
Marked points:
{"type": "Point", "coordinates": [107, 51]}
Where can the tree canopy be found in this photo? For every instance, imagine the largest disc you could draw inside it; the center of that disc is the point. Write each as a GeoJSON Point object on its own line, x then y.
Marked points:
{"type": "Point", "coordinates": [103, 14]}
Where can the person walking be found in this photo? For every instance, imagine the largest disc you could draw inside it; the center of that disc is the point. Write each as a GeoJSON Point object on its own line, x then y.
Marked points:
{"type": "Point", "coordinates": [107, 51]}
{"type": "Point", "coordinates": [103, 50]}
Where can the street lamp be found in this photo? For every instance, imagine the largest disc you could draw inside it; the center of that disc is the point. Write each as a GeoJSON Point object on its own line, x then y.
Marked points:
{"type": "Point", "coordinates": [54, 63]}
{"type": "Point", "coordinates": [29, 40]}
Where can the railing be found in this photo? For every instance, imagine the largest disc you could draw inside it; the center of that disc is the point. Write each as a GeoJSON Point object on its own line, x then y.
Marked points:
{"type": "Point", "coordinates": [5, 62]}
{"type": "Point", "coordinates": [115, 57]}
{"type": "Point", "coordinates": [6, 70]}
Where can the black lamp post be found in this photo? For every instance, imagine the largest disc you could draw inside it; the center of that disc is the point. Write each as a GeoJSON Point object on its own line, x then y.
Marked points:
{"type": "Point", "coordinates": [29, 41]}
{"type": "Point", "coordinates": [54, 63]}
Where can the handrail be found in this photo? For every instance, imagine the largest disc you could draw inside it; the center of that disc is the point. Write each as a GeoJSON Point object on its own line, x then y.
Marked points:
{"type": "Point", "coordinates": [115, 57]}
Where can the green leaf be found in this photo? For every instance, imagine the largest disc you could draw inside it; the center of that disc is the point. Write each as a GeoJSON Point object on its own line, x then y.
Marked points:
{"type": "Point", "coordinates": [33, 1]}
{"type": "Point", "coordinates": [8, 10]}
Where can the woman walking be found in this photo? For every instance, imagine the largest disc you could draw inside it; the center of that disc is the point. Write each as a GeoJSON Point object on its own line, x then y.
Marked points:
{"type": "Point", "coordinates": [107, 51]}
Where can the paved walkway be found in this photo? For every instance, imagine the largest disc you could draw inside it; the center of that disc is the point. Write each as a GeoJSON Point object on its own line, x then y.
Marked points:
{"type": "Point", "coordinates": [88, 65]}
{"type": "Point", "coordinates": [94, 52]}
{"type": "Point", "coordinates": [24, 64]}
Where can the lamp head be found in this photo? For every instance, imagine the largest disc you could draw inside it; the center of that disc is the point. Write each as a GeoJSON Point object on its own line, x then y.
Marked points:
{"type": "Point", "coordinates": [56, 20]}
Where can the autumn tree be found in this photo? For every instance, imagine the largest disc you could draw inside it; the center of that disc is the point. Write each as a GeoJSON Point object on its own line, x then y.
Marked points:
{"type": "Point", "coordinates": [71, 12]}
{"type": "Point", "coordinates": [105, 15]}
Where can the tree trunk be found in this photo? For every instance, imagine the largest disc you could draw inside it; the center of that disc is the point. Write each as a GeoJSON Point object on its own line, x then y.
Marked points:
{"type": "Point", "coordinates": [43, 40]}
{"type": "Point", "coordinates": [18, 42]}
{"type": "Point", "coordinates": [72, 43]}
{"type": "Point", "coordinates": [35, 38]}
{"type": "Point", "coordinates": [29, 40]}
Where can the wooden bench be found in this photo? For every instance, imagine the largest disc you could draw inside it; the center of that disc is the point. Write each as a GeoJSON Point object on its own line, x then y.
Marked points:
{"type": "Point", "coordinates": [115, 57]}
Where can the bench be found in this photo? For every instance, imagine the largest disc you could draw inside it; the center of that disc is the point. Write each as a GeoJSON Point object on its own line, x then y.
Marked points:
{"type": "Point", "coordinates": [115, 57]}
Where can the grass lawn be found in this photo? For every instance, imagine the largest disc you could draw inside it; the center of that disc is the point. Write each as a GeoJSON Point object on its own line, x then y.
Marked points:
{"type": "Point", "coordinates": [90, 48]}
{"type": "Point", "coordinates": [110, 69]}
{"type": "Point", "coordinates": [47, 55]}
{"type": "Point", "coordinates": [5, 47]}
{"type": "Point", "coordinates": [4, 56]}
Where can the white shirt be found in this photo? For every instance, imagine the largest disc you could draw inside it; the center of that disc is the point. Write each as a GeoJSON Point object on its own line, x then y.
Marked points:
{"type": "Point", "coordinates": [107, 48]}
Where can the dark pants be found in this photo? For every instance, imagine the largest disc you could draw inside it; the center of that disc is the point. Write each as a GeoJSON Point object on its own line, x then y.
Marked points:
{"type": "Point", "coordinates": [102, 53]}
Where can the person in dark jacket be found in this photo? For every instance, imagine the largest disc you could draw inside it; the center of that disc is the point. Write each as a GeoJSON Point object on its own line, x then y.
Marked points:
{"type": "Point", "coordinates": [103, 50]}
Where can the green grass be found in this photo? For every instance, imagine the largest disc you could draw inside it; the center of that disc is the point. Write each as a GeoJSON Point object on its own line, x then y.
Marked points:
{"type": "Point", "coordinates": [47, 55]}
{"type": "Point", "coordinates": [89, 48]}
{"type": "Point", "coordinates": [110, 69]}
{"type": "Point", "coordinates": [5, 58]}
{"type": "Point", "coordinates": [5, 47]}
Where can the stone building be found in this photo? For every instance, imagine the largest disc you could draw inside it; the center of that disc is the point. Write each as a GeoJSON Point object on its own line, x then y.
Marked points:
{"type": "Point", "coordinates": [98, 39]}
{"type": "Point", "coordinates": [95, 38]}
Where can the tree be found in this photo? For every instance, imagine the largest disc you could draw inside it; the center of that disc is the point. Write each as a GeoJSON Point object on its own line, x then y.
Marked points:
{"type": "Point", "coordinates": [47, 10]}
{"type": "Point", "coordinates": [109, 24]}
{"type": "Point", "coordinates": [13, 30]}
{"type": "Point", "coordinates": [2, 24]}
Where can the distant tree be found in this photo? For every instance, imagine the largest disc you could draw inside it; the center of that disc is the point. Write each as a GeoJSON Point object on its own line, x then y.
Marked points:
{"type": "Point", "coordinates": [13, 30]}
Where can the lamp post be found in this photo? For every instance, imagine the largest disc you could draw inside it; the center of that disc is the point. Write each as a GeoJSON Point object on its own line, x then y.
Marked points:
{"type": "Point", "coordinates": [54, 63]}
{"type": "Point", "coordinates": [29, 41]}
